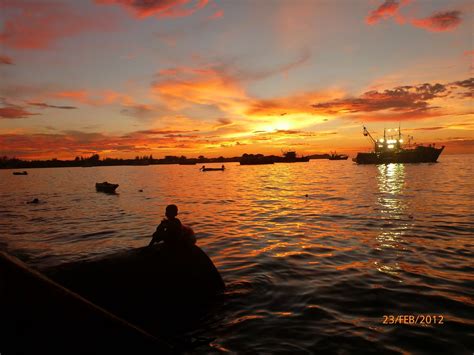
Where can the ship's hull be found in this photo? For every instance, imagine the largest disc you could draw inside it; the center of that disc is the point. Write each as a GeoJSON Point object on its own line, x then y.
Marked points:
{"type": "Point", "coordinates": [420, 154]}
{"type": "Point", "coordinates": [338, 157]}
{"type": "Point", "coordinates": [293, 160]}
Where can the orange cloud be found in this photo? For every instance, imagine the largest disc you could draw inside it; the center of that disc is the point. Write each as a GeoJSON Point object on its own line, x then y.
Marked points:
{"type": "Point", "coordinates": [294, 104]}
{"type": "Point", "coordinates": [388, 9]}
{"type": "Point", "coordinates": [94, 98]}
{"type": "Point", "coordinates": [181, 85]}
{"type": "Point", "coordinates": [216, 85]}
{"type": "Point", "coordinates": [72, 143]}
{"type": "Point", "coordinates": [159, 8]}
{"type": "Point", "coordinates": [440, 21]}
{"type": "Point", "coordinates": [38, 25]}
{"type": "Point", "coordinates": [217, 14]}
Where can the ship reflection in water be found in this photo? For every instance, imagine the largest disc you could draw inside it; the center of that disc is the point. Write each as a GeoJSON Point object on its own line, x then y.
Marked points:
{"type": "Point", "coordinates": [392, 208]}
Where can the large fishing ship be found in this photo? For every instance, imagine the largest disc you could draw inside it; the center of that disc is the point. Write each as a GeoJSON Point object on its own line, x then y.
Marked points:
{"type": "Point", "coordinates": [391, 149]}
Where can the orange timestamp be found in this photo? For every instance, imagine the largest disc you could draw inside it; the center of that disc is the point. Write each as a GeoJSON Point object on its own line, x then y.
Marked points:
{"type": "Point", "coordinates": [411, 319]}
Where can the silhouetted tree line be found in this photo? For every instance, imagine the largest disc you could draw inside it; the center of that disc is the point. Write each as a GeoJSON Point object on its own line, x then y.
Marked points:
{"type": "Point", "coordinates": [95, 160]}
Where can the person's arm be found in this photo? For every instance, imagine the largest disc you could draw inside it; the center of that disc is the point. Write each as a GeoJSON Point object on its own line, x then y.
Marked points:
{"type": "Point", "coordinates": [158, 235]}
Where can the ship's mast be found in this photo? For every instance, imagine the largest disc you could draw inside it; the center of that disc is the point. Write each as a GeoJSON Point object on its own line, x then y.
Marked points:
{"type": "Point", "coordinates": [367, 134]}
{"type": "Point", "coordinates": [399, 140]}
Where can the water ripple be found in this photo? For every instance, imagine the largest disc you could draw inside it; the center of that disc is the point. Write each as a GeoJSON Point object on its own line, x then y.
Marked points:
{"type": "Point", "coordinates": [314, 255]}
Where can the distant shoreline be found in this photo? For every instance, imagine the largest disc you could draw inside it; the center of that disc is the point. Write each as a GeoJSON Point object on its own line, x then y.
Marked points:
{"type": "Point", "coordinates": [14, 163]}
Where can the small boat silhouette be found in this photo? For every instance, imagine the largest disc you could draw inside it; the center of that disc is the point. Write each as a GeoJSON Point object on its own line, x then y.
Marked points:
{"type": "Point", "coordinates": [20, 173]}
{"type": "Point", "coordinates": [335, 156]}
{"type": "Point", "coordinates": [203, 168]}
{"type": "Point", "coordinates": [106, 187]}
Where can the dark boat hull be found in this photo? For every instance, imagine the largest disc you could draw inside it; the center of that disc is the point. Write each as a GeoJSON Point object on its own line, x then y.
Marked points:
{"type": "Point", "coordinates": [339, 157]}
{"type": "Point", "coordinates": [212, 169]}
{"type": "Point", "coordinates": [157, 288]}
{"type": "Point", "coordinates": [295, 160]}
{"type": "Point", "coordinates": [420, 154]}
{"type": "Point", "coordinates": [40, 316]}
{"type": "Point", "coordinates": [106, 187]}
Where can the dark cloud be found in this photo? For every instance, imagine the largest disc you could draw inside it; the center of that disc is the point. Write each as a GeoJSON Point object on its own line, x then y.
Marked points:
{"type": "Point", "coordinates": [5, 60]}
{"type": "Point", "coordinates": [141, 111]}
{"type": "Point", "coordinates": [440, 21]}
{"type": "Point", "coordinates": [162, 131]}
{"type": "Point", "coordinates": [187, 136]}
{"type": "Point", "coordinates": [224, 121]}
{"type": "Point", "coordinates": [303, 58]}
{"type": "Point", "coordinates": [15, 112]}
{"type": "Point", "coordinates": [403, 102]}
{"type": "Point", "coordinates": [45, 105]}
{"type": "Point", "coordinates": [159, 8]}
{"type": "Point", "coordinates": [468, 83]}
{"type": "Point", "coordinates": [264, 135]}
{"type": "Point", "coordinates": [435, 128]}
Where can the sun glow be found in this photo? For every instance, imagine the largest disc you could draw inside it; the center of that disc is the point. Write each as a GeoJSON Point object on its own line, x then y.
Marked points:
{"type": "Point", "coordinates": [281, 125]}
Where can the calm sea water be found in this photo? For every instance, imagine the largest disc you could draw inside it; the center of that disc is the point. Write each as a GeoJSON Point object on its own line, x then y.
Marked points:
{"type": "Point", "coordinates": [313, 254]}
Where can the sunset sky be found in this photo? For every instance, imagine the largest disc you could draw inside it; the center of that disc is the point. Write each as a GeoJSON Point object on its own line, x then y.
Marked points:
{"type": "Point", "coordinates": [224, 77]}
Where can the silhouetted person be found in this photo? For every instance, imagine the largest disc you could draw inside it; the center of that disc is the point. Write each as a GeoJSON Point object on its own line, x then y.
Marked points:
{"type": "Point", "coordinates": [170, 229]}
{"type": "Point", "coordinates": [203, 168]}
{"type": "Point", "coordinates": [223, 167]}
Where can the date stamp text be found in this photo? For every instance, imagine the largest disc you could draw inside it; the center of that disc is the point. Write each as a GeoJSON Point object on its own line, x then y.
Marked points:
{"type": "Point", "coordinates": [412, 319]}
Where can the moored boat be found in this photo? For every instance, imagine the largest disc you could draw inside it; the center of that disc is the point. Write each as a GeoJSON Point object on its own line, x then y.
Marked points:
{"type": "Point", "coordinates": [106, 187]}
{"type": "Point", "coordinates": [290, 157]}
{"type": "Point", "coordinates": [390, 149]}
{"type": "Point", "coordinates": [38, 311]}
{"type": "Point", "coordinates": [335, 156]}
{"type": "Point", "coordinates": [256, 159]}
{"type": "Point", "coordinates": [20, 173]}
{"type": "Point", "coordinates": [203, 168]}
{"type": "Point", "coordinates": [148, 286]}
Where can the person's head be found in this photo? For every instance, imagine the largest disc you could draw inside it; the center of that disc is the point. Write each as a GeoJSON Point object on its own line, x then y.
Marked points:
{"type": "Point", "coordinates": [171, 211]}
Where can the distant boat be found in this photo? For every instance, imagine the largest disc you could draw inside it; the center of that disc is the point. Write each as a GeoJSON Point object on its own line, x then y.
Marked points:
{"type": "Point", "coordinates": [20, 173]}
{"type": "Point", "coordinates": [203, 168]}
{"type": "Point", "coordinates": [319, 156]}
{"type": "Point", "coordinates": [290, 157]}
{"type": "Point", "coordinates": [256, 159]}
{"type": "Point", "coordinates": [389, 149]}
{"type": "Point", "coordinates": [335, 156]}
{"type": "Point", "coordinates": [106, 187]}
